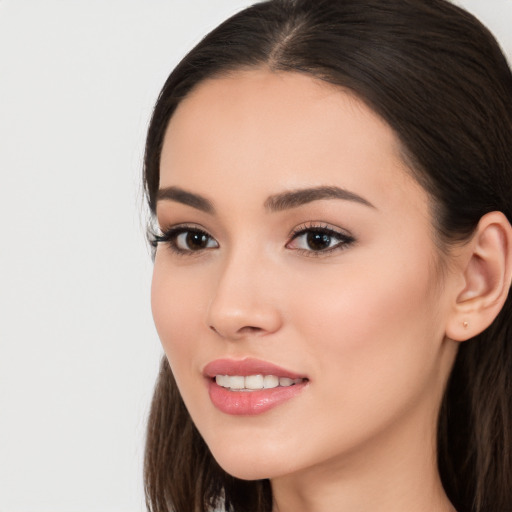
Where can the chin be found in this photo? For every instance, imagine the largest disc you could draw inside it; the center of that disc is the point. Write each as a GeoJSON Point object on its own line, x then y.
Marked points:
{"type": "Point", "coordinates": [245, 463]}
{"type": "Point", "coordinates": [247, 470]}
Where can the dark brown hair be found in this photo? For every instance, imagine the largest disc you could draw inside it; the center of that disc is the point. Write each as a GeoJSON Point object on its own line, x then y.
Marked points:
{"type": "Point", "coordinates": [439, 79]}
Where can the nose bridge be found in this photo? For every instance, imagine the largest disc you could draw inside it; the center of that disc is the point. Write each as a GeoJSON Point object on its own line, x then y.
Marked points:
{"type": "Point", "coordinates": [242, 300]}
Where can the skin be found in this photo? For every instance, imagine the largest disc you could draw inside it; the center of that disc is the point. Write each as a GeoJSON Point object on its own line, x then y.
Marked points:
{"type": "Point", "coordinates": [365, 322]}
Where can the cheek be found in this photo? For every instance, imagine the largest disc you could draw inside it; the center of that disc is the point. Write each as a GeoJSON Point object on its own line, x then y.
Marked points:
{"type": "Point", "coordinates": [371, 329]}
{"type": "Point", "coordinates": [176, 303]}
{"type": "Point", "coordinates": [176, 311]}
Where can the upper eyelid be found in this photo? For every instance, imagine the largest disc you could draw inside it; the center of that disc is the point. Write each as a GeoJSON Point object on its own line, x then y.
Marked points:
{"type": "Point", "coordinates": [319, 226]}
{"type": "Point", "coordinates": [303, 227]}
{"type": "Point", "coordinates": [191, 226]}
{"type": "Point", "coordinates": [166, 233]}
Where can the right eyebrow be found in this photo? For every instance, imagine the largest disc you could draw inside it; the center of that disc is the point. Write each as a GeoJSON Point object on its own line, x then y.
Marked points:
{"type": "Point", "coordinates": [188, 198]}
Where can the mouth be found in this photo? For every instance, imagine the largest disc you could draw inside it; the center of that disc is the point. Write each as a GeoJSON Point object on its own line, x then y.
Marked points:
{"type": "Point", "coordinates": [254, 382]}
{"type": "Point", "coordinates": [249, 386]}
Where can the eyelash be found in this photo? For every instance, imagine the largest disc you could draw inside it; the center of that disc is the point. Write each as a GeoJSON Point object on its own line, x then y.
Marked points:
{"type": "Point", "coordinates": [345, 240]}
{"type": "Point", "coordinates": [171, 235]}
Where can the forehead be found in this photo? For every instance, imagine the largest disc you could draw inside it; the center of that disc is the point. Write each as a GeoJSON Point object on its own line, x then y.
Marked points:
{"type": "Point", "coordinates": [259, 128]}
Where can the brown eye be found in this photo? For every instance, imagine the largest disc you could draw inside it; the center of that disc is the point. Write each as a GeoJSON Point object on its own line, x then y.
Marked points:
{"type": "Point", "coordinates": [318, 241]}
{"type": "Point", "coordinates": [185, 240]}
{"type": "Point", "coordinates": [195, 241]}
{"type": "Point", "coordinates": [192, 240]}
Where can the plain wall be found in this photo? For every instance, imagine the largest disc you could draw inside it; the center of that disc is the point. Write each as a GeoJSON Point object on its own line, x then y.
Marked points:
{"type": "Point", "coordinates": [78, 350]}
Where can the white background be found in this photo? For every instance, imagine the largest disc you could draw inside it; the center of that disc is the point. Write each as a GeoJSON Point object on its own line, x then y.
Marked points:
{"type": "Point", "coordinates": [78, 351]}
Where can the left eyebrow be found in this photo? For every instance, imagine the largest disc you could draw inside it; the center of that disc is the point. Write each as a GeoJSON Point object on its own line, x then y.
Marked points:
{"type": "Point", "coordinates": [296, 198]}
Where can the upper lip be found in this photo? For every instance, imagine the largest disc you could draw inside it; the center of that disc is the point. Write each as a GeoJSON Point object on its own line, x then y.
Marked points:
{"type": "Point", "coordinates": [247, 366]}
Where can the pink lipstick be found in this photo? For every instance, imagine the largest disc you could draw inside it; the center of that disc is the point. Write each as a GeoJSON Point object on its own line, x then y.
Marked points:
{"type": "Point", "coordinates": [250, 386]}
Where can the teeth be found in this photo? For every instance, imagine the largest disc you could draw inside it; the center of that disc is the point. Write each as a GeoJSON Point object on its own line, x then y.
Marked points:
{"type": "Point", "coordinates": [236, 382]}
{"type": "Point", "coordinates": [270, 381]}
{"type": "Point", "coordinates": [254, 382]}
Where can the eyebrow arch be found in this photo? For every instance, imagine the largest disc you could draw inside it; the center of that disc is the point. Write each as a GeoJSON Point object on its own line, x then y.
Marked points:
{"type": "Point", "coordinates": [188, 198]}
{"type": "Point", "coordinates": [296, 198]}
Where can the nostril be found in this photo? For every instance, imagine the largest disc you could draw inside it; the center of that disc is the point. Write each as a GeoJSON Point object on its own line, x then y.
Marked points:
{"type": "Point", "coordinates": [246, 330]}
{"type": "Point", "coordinates": [249, 329]}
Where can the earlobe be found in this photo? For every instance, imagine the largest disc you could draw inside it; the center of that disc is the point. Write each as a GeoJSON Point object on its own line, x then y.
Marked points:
{"type": "Point", "coordinates": [487, 272]}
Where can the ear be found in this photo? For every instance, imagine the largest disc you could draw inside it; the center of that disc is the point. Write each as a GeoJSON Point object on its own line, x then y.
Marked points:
{"type": "Point", "coordinates": [485, 265]}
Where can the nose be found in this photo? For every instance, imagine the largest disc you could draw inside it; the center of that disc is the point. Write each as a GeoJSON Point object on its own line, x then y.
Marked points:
{"type": "Point", "coordinates": [244, 302]}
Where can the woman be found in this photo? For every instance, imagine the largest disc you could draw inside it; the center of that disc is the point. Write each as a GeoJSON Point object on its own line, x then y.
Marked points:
{"type": "Point", "coordinates": [332, 181]}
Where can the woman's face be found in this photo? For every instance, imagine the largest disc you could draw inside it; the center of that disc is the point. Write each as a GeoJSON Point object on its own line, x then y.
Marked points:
{"type": "Point", "coordinates": [299, 249]}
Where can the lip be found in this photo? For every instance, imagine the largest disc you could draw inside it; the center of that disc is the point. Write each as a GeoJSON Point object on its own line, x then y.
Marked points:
{"type": "Point", "coordinates": [249, 403]}
{"type": "Point", "coordinates": [247, 366]}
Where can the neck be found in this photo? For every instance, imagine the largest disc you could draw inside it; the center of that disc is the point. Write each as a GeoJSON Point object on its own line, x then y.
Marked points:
{"type": "Point", "coordinates": [396, 472]}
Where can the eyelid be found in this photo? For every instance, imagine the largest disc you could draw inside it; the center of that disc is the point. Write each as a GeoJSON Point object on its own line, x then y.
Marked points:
{"type": "Point", "coordinates": [344, 237]}
{"type": "Point", "coordinates": [170, 234]}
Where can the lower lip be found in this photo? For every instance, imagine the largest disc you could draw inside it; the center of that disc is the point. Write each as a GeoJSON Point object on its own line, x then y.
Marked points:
{"type": "Point", "coordinates": [250, 403]}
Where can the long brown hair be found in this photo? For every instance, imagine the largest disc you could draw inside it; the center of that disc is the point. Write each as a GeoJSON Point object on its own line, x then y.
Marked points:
{"type": "Point", "coordinates": [439, 79]}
